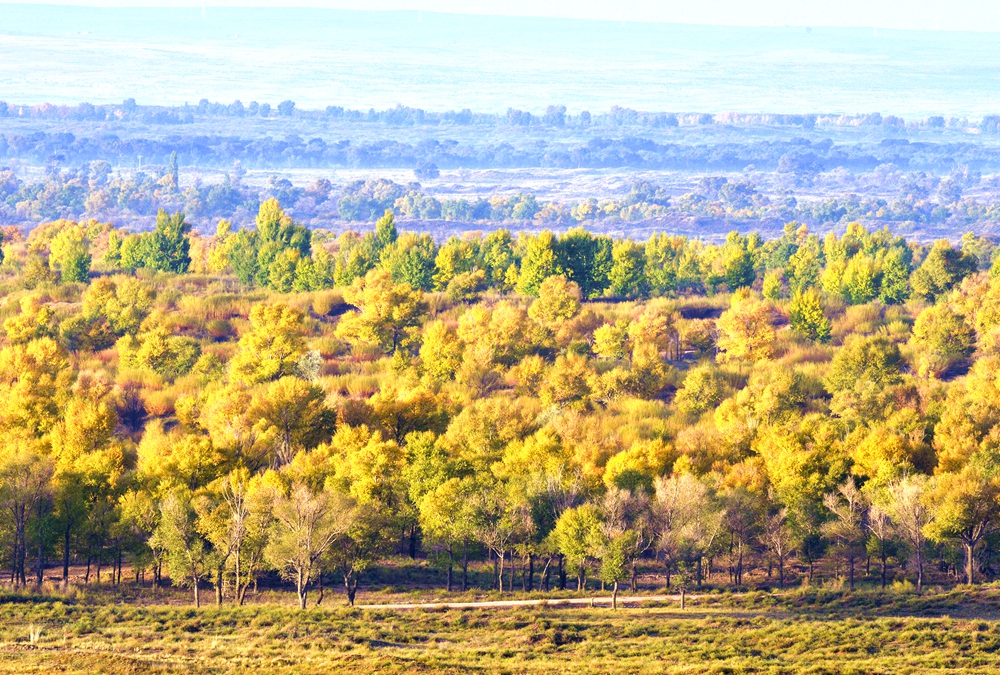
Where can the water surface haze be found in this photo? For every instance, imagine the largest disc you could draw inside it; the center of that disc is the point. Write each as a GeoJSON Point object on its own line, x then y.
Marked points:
{"type": "Point", "coordinates": [317, 57]}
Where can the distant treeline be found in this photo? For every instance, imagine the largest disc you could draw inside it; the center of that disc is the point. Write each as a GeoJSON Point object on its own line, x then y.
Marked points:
{"type": "Point", "coordinates": [554, 116]}
{"type": "Point", "coordinates": [799, 156]}
{"type": "Point", "coordinates": [306, 140]}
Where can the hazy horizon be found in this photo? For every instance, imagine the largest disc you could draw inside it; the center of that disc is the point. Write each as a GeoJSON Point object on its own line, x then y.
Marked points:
{"type": "Point", "coordinates": [172, 56]}
{"type": "Point", "coordinates": [918, 15]}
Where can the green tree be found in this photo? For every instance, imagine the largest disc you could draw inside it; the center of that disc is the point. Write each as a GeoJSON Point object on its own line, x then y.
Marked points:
{"type": "Point", "coordinates": [869, 361]}
{"type": "Point", "coordinates": [168, 246]}
{"type": "Point", "coordinates": [410, 260]}
{"type": "Point", "coordinates": [188, 553]}
{"type": "Point", "coordinates": [941, 270]}
{"type": "Point", "coordinates": [895, 287]}
{"type": "Point", "coordinates": [113, 254]}
{"type": "Point", "coordinates": [577, 536]}
{"type": "Point", "coordinates": [804, 265]}
{"type": "Point", "coordinates": [585, 260]}
{"type": "Point", "coordinates": [772, 285]}
{"type": "Point", "coordinates": [860, 281]}
{"type": "Point", "coordinates": [614, 559]}
{"type": "Point", "coordinates": [281, 273]}
{"type": "Point", "coordinates": [627, 278]}
{"type": "Point", "coordinates": [538, 264]}
{"type": "Point", "coordinates": [385, 230]}
{"type": "Point", "coordinates": [159, 351]}
{"type": "Point", "coordinates": [738, 261]}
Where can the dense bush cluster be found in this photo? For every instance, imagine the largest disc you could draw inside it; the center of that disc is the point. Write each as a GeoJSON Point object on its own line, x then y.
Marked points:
{"type": "Point", "coordinates": [271, 400]}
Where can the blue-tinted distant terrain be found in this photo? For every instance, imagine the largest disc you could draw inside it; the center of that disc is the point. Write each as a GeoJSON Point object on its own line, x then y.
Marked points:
{"type": "Point", "coordinates": [434, 61]}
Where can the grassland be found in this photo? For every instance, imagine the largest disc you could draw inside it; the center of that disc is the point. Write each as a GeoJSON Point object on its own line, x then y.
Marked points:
{"type": "Point", "coordinates": [955, 631]}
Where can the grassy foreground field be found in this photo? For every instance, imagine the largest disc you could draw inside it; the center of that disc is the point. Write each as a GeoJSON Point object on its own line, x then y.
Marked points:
{"type": "Point", "coordinates": [795, 632]}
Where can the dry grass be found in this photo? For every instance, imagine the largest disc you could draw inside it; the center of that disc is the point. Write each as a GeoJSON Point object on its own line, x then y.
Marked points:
{"type": "Point", "coordinates": [795, 632]}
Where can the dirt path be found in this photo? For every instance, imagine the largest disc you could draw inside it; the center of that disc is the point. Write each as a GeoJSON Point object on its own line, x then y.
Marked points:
{"type": "Point", "coordinates": [540, 602]}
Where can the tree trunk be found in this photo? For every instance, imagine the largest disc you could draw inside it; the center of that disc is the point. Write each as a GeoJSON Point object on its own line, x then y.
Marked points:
{"type": "Point", "coordinates": [465, 566]}
{"type": "Point", "coordinates": [239, 577]}
{"type": "Point", "coordinates": [531, 572]}
{"type": "Point", "coordinates": [920, 569]}
{"type": "Point", "coordinates": [781, 571]}
{"type": "Point", "coordinates": [739, 566]}
{"type": "Point", "coordinates": [969, 549]}
{"type": "Point", "coordinates": [300, 586]}
{"type": "Point", "coordinates": [562, 573]}
{"type": "Point", "coordinates": [66, 535]}
{"type": "Point", "coordinates": [614, 596]}
{"type": "Point", "coordinates": [41, 538]}
{"type": "Point", "coordinates": [351, 585]}
{"type": "Point", "coordinates": [197, 594]}
{"type": "Point", "coordinates": [451, 565]}
{"type": "Point", "coordinates": [219, 573]}
{"type": "Point", "coordinates": [683, 597]}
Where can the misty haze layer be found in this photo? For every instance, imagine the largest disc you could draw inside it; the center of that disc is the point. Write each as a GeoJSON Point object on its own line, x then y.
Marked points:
{"type": "Point", "coordinates": [435, 61]}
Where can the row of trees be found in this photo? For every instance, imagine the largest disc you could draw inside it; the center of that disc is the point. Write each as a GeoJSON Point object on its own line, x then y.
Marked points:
{"type": "Point", "coordinates": [154, 419]}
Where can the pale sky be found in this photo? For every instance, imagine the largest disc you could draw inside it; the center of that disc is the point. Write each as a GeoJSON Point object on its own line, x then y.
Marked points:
{"type": "Point", "coordinates": [977, 15]}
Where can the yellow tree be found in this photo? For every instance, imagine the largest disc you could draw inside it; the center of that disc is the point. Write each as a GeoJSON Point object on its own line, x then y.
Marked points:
{"type": "Point", "coordinates": [306, 525]}
{"type": "Point", "coordinates": [558, 300]}
{"type": "Point", "coordinates": [611, 340]}
{"type": "Point", "coordinates": [87, 463]}
{"type": "Point", "coordinates": [36, 320]}
{"type": "Point", "coordinates": [965, 507]}
{"type": "Point", "coordinates": [942, 338]}
{"type": "Point", "coordinates": [440, 353]}
{"type": "Point", "coordinates": [368, 472]}
{"type": "Point", "coordinates": [34, 385]}
{"type": "Point", "coordinates": [294, 414]}
{"type": "Point", "coordinates": [746, 330]}
{"type": "Point", "coordinates": [233, 424]}
{"type": "Point", "coordinates": [568, 383]}
{"type": "Point", "coordinates": [25, 473]}
{"type": "Point", "coordinates": [387, 315]}
{"type": "Point", "coordinates": [271, 348]}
